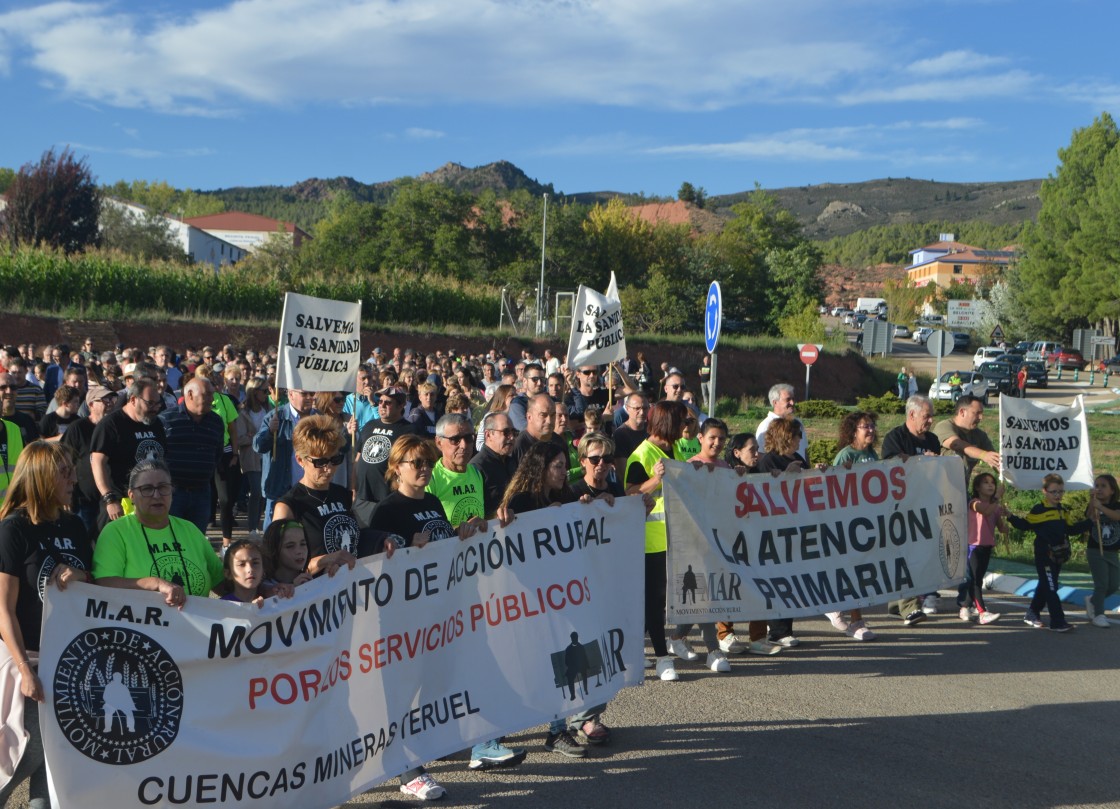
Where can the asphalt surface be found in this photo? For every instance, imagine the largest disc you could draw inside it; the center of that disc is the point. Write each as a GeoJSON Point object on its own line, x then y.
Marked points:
{"type": "Point", "coordinates": [937, 715]}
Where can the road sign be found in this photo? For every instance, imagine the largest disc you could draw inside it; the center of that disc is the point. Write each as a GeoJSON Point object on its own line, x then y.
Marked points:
{"type": "Point", "coordinates": [713, 317]}
{"type": "Point", "coordinates": [809, 352]}
{"type": "Point", "coordinates": [966, 314]}
{"type": "Point", "coordinates": [997, 332]}
{"type": "Point", "coordinates": [940, 343]}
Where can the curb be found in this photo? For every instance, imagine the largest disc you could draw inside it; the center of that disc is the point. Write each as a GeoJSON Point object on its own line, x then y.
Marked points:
{"type": "Point", "coordinates": [1017, 585]}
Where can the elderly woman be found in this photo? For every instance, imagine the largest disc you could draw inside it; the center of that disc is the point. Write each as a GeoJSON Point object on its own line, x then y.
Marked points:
{"type": "Point", "coordinates": [151, 550]}
{"type": "Point", "coordinates": [857, 445]}
{"type": "Point", "coordinates": [37, 537]}
{"type": "Point", "coordinates": [323, 507]}
{"type": "Point", "coordinates": [643, 475]}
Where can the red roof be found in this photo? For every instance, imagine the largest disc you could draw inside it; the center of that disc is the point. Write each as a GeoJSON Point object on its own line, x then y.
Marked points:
{"type": "Point", "coordinates": [238, 220]}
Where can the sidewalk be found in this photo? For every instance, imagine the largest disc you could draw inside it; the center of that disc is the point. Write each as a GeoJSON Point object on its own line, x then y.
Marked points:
{"type": "Point", "coordinates": [1020, 579]}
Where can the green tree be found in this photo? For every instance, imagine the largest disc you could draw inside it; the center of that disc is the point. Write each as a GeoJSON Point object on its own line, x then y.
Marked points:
{"type": "Point", "coordinates": [143, 236]}
{"type": "Point", "coordinates": [7, 177]}
{"type": "Point", "coordinates": [1090, 291]}
{"type": "Point", "coordinates": [1050, 247]}
{"type": "Point", "coordinates": [53, 203]}
{"type": "Point", "coordinates": [904, 300]}
{"type": "Point", "coordinates": [350, 240]}
{"type": "Point", "coordinates": [427, 231]}
{"type": "Point", "coordinates": [617, 241]}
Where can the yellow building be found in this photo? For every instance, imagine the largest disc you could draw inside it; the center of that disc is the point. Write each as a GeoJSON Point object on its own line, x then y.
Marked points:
{"type": "Point", "coordinates": [946, 261]}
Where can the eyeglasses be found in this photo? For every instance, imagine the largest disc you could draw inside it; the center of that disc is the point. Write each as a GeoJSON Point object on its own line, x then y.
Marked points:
{"type": "Point", "coordinates": [673, 387]}
{"type": "Point", "coordinates": [334, 460]}
{"type": "Point", "coordinates": [588, 371]}
{"type": "Point", "coordinates": [534, 378]}
{"type": "Point", "coordinates": [153, 402]}
{"type": "Point", "coordinates": [458, 439]}
{"type": "Point", "coordinates": [339, 399]}
{"type": "Point", "coordinates": [508, 431]}
{"type": "Point", "coordinates": [150, 490]}
{"type": "Point", "coordinates": [1055, 491]}
{"type": "Point", "coordinates": [595, 460]}
{"type": "Point", "coordinates": [7, 387]}
{"type": "Point", "coordinates": [107, 400]}
{"type": "Point", "coordinates": [386, 402]}
{"type": "Point", "coordinates": [419, 463]}
{"type": "Point", "coordinates": [870, 428]}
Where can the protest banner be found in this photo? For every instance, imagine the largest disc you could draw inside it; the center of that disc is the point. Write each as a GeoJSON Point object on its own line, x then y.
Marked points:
{"type": "Point", "coordinates": [1037, 438]}
{"type": "Point", "coordinates": [309, 701]}
{"type": "Point", "coordinates": [320, 347]}
{"type": "Point", "coordinates": [759, 547]}
{"type": "Point", "coordinates": [597, 337]}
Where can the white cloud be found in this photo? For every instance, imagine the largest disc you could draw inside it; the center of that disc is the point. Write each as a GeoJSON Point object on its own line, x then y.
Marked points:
{"type": "Point", "coordinates": [961, 61]}
{"type": "Point", "coordinates": [419, 133]}
{"type": "Point", "coordinates": [771, 148]}
{"type": "Point", "coordinates": [1010, 84]}
{"type": "Point", "coordinates": [142, 154]}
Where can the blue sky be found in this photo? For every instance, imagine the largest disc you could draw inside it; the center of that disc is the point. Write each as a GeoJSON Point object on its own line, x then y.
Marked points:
{"type": "Point", "coordinates": [625, 95]}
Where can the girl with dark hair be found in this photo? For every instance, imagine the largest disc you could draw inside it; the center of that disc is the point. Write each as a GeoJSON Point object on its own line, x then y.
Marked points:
{"type": "Point", "coordinates": [985, 516]}
{"type": "Point", "coordinates": [1103, 550]}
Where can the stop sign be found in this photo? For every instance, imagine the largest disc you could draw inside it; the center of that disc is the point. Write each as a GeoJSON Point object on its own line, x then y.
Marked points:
{"type": "Point", "coordinates": [809, 353]}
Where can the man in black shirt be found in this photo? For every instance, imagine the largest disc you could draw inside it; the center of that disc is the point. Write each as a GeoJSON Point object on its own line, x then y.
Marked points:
{"type": "Point", "coordinates": [913, 436]}
{"type": "Point", "coordinates": [540, 418]}
{"type": "Point", "coordinates": [494, 460]}
{"type": "Point", "coordinates": [374, 443]}
{"type": "Point", "coordinates": [100, 401]}
{"type": "Point", "coordinates": [121, 440]}
{"type": "Point", "coordinates": [631, 432]}
{"type": "Point", "coordinates": [195, 438]}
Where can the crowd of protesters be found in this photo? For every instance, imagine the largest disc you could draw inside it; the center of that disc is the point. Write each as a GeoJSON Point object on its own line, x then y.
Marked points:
{"type": "Point", "coordinates": [109, 451]}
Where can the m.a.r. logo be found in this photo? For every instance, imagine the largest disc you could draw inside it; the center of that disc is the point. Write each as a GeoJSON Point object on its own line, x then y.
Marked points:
{"type": "Point", "coordinates": [118, 696]}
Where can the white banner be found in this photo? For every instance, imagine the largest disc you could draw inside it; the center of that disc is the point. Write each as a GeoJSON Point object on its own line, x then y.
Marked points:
{"type": "Point", "coordinates": [309, 701]}
{"type": "Point", "coordinates": [597, 337]}
{"type": "Point", "coordinates": [1037, 438]}
{"type": "Point", "coordinates": [759, 547]}
{"type": "Point", "coordinates": [320, 347]}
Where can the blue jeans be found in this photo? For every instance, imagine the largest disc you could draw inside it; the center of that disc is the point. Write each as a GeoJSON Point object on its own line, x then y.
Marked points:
{"type": "Point", "coordinates": [193, 505]}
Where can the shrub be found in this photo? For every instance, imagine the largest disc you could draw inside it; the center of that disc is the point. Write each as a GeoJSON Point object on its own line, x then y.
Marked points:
{"type": "Point", "coordinates": [726, 407]}
{"type": "Point", "coordinates": [822, 450]}
{"type": "Point", "coordinates": [820, 409]}
{"type": "Point", "coordinates": [888, 403]}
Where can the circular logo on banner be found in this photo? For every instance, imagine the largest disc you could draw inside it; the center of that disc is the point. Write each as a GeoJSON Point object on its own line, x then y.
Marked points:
{"type": "Point", "coordinates": [118, 696]}
{"type": "Point", "coordinates": [341, 534]}
{"type": "Point", "coordinates": [149, 450]}
{"type": "Point", "coordinates": [376, 449]}
{"type": "Point", "coordinates": [950, 550]}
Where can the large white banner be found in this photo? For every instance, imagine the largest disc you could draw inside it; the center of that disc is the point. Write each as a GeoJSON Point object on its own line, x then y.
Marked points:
{"type": "Point", "coordinates": [311, 700]}
{"type": "Point", "coordinates": [759, 547]}
{"type": "Point", "coordinates": [597, 337]}
{"type": "Point", "coordinates": [320, 347]}
{"type": "Point", "coordinates": [1037, 438]}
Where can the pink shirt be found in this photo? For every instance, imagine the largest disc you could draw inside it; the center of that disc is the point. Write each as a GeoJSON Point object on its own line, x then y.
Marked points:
{"type": "Point", "coordinates": [981, 529]}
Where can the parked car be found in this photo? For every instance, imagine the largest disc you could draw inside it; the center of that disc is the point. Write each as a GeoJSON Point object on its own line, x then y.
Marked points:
{"type": "Point", "coordinates": [972, 383]}
{"type": "Point", "coordinates": [1042, 349]}
{"type": "Point", "coordinates": [1067, 358]}
{"type": "Point", "coordinates": [859, 320]}
{"type": "Point", "coordinates": [1037, 374]}
{"type": "Point", "coordinates": [1000, 376]}
{"type": "Point", "coordinates": [985, 354]}
{"type": "Point", "coordinates": [901, 330]}
{"type": "Point", "coordinates": [961, 340]}
{"type": "Point", "coordinates": [921, 334]}
{"type": "Point", "coordinates": [849, 318]}
{"type": "Point", "coordinates": [1112, 365]}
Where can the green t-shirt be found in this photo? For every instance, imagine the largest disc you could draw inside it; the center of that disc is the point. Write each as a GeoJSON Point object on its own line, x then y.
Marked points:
{"type": "Point", "coordinates": [850, 453]}
{"type": "Point", "coordinates": [178, 553]}
{"type": "Point", "coordinates": [460, 492]}
{"type": "Point", "coordinates": [686, 447]}
{"type": "Point", "coordinates": [226, 409]}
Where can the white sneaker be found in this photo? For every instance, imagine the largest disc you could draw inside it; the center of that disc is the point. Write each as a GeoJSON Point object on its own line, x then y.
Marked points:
{"type": "Point", "coordinates": [1101, 621]}
{"type": "Point", "coordinates": [860, 631]}
{"type": "Point", "coordinates": [965, 614]}
{"type": "Point", "coordinates": [1090, 612]}
{"type": "Point", "coordinates": [680, 647]}
{"type": "Point", "coordinates": [732, 645]}
{"type": "Point", "coordinates": [788, 642]}
{"type": "Point", "coordinates": [717, 662]}
{"type": "Point", "coordinates": [931, 604]}
{"type": "Point", "coordinates": [424, 787]}
{"type": "Point", "coordinates": [665, 669]}
{"type": "Point", "coordinates": [650, 662]}
{"type": "Point", "coordinates": [988, 618]}
{"type": "Point", "coordinates": [838, 620]}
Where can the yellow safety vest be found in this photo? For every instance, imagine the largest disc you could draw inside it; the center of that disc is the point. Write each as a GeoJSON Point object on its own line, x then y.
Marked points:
{"type": "Point", "coordinates": [648, 454]}
{"type": "Point", "coordinates": [11, 453]}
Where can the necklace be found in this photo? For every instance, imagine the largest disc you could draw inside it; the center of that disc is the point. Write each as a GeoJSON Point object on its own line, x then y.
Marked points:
{"type": "Point", "coordinates": [321, 501]}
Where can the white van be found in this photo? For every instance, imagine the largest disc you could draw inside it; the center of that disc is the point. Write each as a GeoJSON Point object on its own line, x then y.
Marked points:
{"type": "Point", "coordinates": [986, 354]}
{"type": "Point", "coordinates": [1041, 350]}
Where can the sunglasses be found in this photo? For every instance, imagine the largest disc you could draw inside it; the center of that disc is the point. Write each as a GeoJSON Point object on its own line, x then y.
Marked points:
{"type": "Point", "coordinates": [420, 463]}
{"type": "Point", "coordinates": [458, 439]}
{"type": "Point", "coordinates": [386, 402]}
{"type": "Point", "coordinates": [598, 459]}
{"type": "Point", "coordinates": [334, 460]}
{"type": "Point", "coordinates": [508, 431]}
{"type": "Point", "coordinates": [339, 399]}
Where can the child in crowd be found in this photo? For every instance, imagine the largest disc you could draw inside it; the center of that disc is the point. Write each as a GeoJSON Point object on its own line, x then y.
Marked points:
{"type": "Point", "coordinates": [1052, 525]}
{"type": "Point", "coordinates": [1103, 550]}
{"type": "Point", "coordinates": [285, 553]}
{"type": "Point", "coordinates": [244, 573]}
{"type": "Point", "coordinates": [985, 515]}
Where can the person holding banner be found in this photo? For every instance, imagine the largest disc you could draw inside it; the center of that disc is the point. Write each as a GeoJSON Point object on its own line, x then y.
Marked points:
{"type": "Point", "coordinates": [1052, 526]}
{"type": "Point", "coordinates": [985, 516]}
{"type": "Point", "coordinates": [41, 543]}
{"type": "Point", "coordinates": [643, 475]}
{"type": "Point", "coordinates": [857, 442]}
{"type": "Point", "coordinates": [150, 540]}
{"type": "Point", "coordinates": [1103, 550]}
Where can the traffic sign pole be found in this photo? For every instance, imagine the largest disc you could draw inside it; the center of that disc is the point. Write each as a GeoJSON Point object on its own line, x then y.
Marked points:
{"type": "Point", "coordinates": [809, 353]}
{"type": "Point", "coordinates": [713, 322]}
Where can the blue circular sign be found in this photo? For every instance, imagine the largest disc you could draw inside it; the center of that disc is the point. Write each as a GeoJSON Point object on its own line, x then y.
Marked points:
{"type": "Point", "coordinates": [713, 317]}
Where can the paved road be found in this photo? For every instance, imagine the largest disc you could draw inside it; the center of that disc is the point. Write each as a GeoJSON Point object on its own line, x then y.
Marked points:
{"type": "Point", "coordinates": [943, 714]}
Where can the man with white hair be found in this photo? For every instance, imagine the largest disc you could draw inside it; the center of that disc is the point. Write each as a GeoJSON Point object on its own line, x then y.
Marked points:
{"type": "Point", "coordinates": [782, 406]}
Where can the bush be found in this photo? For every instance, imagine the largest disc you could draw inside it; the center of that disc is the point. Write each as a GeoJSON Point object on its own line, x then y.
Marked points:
{"type": "Point", "coordinates": [886, 404]}
{"type": "Point", "coordinates": [820, 409]}
{"type": "Point", "coordinates": [943, 407]}
{"type": "Point", "coordinates": [726, 407]}
{"type": "Point", "coordinates": [822, 450]}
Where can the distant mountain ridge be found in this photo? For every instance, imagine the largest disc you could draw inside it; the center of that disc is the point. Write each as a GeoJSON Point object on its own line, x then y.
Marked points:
{"type": "Point", "coordinates": [825, 210]}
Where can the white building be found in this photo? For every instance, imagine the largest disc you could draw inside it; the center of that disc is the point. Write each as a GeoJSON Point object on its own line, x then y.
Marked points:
{"type": "Point", "coordinates": [202, 247]}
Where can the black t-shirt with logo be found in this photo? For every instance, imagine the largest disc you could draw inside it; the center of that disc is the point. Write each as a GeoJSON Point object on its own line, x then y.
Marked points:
{"type": "Point", "coordinates": [126, 442]}
{"type": "Point", "coordinates": [406, 516]}
{"type": "Point", "coordinates": [30, 552]}
{"type": "Point", "coordinates": [79, 437]}
{"type": "Point", "coordinates": [374, 443]}
{"type": "Point", "coordinates": [327, 519]}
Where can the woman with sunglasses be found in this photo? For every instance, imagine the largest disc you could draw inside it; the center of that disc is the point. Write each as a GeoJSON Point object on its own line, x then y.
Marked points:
{"type": "Point", "coordinates": [323, 507]}
{"type": "Point", "coordinates": [333, 404]}
{"type": "Point", "coordinates": [151, 550]}
{"type": "Point", "coordinates": [410, 511]}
